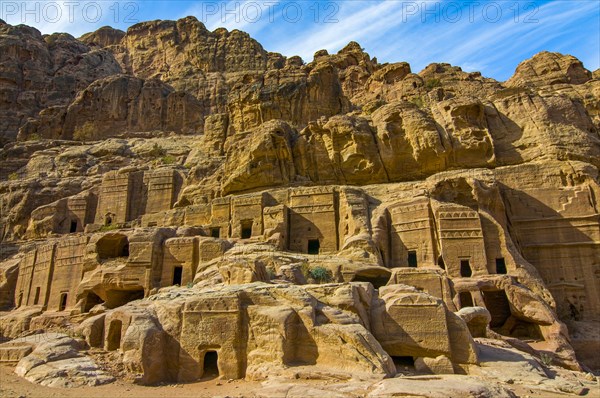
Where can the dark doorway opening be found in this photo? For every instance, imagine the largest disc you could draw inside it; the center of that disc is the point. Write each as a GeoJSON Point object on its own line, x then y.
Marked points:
{"type": "Point", "coordinates": [465, 269]}
{"type": "Point", "coordinates": [211, 364]}
{"type": "Point", "coordinates": [521, 330]}
{"type": "Point", "coordinates": [403, 363]}
{"type": "Point", "coordinates": [112, 246]}
{"type": "Point", "coordinates": [246, 229]}
{"type": "Point", "coordinates": [497, 304]}
{"type": "Point", "coordinates": [36, 300]}
{"type": "Point", "coordinates": [466, 300]}
{"type": "Point", "coordinates": [177, 273]}
{"type": "Point", "coordinates": [117, 298]}
{"type": "Point", "coordinates": [91, 300]}
{"type": "Point", "coordinates": [63, 302]}
{"type": "Point", "coordinates": [376, 280]}
{"type": "Point", "coordinates": [113, 340]}
{"type": "Point", "coordinates": [500, 266]}
{"type": "Point", "coordinates": [314, 246]}
{"type": "Point", "coordinates": [215, 232]}
{"type": "Point", "coordinates": [73, 227]}
{"type": "Point", "coordinates": [441, 263]}
{"type": "Point", "coordinates": [412, 259]}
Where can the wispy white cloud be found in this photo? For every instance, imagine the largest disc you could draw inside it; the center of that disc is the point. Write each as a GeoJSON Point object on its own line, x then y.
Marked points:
{"type": "Point", "coordinates": [74, 17]}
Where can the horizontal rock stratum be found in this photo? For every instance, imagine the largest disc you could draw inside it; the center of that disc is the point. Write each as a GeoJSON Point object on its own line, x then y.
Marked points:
{"type": "Point", "coordinates": [198, 204]}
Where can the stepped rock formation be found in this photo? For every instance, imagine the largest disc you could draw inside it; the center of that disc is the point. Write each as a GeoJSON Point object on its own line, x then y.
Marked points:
{"type": "Point", "coordinates": [198, 204]}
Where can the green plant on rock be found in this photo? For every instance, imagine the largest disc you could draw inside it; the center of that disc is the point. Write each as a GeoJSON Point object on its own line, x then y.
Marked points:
{"type": "Point", "coordinates": [418, 101]}
{"type": "Point", "coordinates": [546, 358]}
{"type": "Point", "coordinates": [321, 274]}
{"type": "Point", "coordinates": [13, 176]}
{"type": "Point", "coordinates": [110, 227]}
{"type": "Point", "coordinates": [168, 159]}
{"type": "Point", "coordinates": [157, 151]}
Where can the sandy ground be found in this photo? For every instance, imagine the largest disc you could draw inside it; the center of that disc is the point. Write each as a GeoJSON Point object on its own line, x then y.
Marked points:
{"type": "Point", "coordinates": [13, 386]}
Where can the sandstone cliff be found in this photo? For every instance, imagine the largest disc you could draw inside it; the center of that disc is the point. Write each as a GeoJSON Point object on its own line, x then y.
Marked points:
{"type": "Point", "coordinates": [314, 205]}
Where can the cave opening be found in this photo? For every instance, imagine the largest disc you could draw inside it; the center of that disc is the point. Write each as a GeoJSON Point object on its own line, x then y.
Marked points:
{"type": "Point", "coordinates": [376, 280]}
{"type": "Point", "coordinates": [112, 246]}
{"type": "Point", "coordinates": [117, 298]}
{"type": "Point", "coordinates": [403, 363]}
{"type": "Point", "coordinates": [91, 300]}
{"type": "Point", "coordinates": [497, 304]}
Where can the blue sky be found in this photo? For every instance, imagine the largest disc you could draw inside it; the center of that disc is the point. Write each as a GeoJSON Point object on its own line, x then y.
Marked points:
{"type": "Point", "coordinates": [478, 35]}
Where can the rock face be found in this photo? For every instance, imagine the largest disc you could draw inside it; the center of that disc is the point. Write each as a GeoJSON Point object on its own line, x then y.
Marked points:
{"type": "Point", "coordinates": [116, 104]}
{"type": "Point", "coordinates": [198, 204]}
{"type": "Point", "coordinates": [40, 72]}
{"type": "Point", "coordinates": [54, 360]}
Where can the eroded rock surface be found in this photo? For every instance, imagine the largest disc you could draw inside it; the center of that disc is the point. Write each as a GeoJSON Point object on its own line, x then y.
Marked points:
{"type": "Point", "coordinates": [328, 218]}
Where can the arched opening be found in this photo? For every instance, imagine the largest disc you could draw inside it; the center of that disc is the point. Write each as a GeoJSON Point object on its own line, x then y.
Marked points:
{"type": "Point", "coordinates": [113, 338]}
{"type": "Point", "coordinates": [377, 276]}
{"type": "Point", "coordinates": [91, 300]}
{"type": "Point", "coordinates": [466, 300]}
{"type": "Point", "coordinates": [497, 304]}
{"type": "Point", "coordinates": [440, 262]}
{"type": "Point", "coordinates": [112, 246]}
{"type": "Point", "coordinates": [503, 322]}
{"type": "Point", "coordinates": [210, 364]}
{"type": "Point", "coordinates": [465, 269]}
{"type": "Point", "coordinates": [108, 219]}
{"type": "Point", "coordinates": [377, 281]}
{"type": "Point", "coordinates": [63, 302]}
